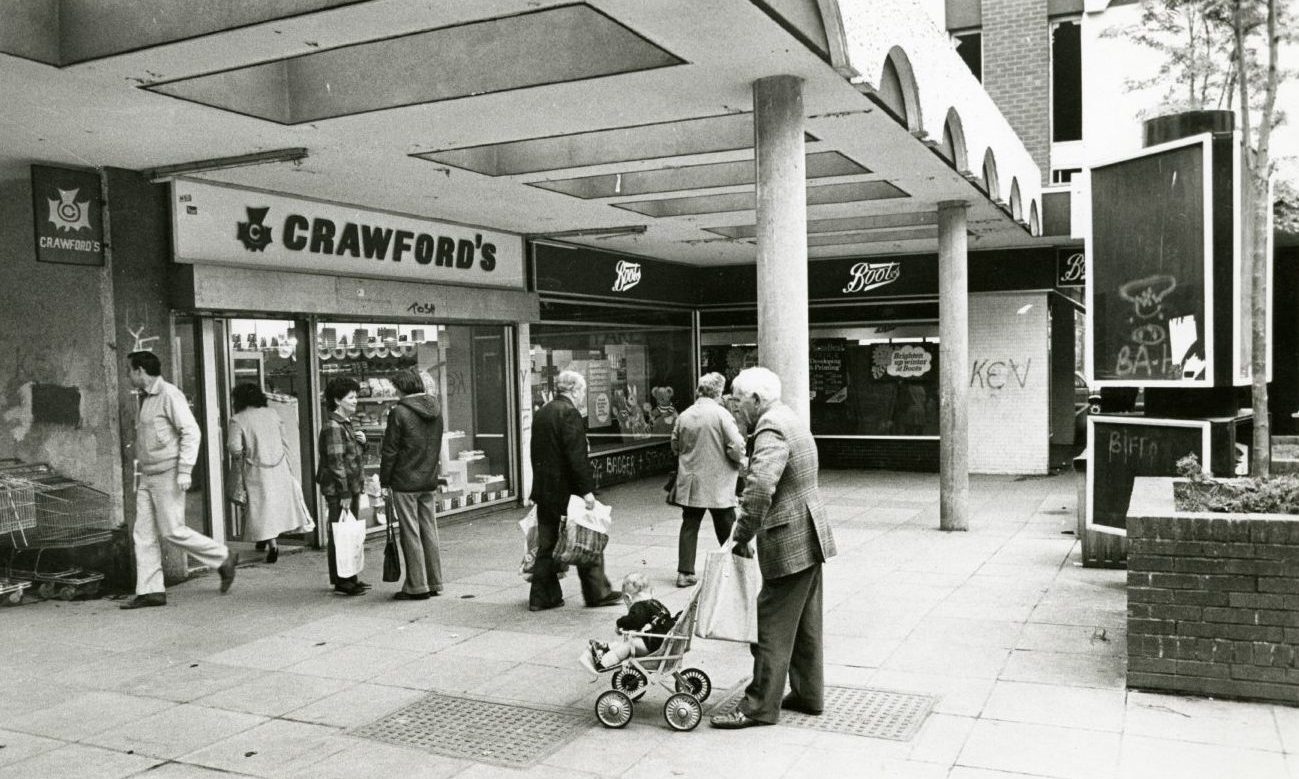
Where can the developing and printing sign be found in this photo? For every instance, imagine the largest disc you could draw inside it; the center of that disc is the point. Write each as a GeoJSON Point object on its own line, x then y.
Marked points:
{"type": "Point", "coordinates": [69, 216]}
{"type": "Point", "coordinates": [250, 228]}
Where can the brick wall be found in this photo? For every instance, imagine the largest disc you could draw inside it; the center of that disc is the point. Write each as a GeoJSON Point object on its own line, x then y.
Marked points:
{"type": "Point", "coordinates": [1213, 605]}
{"type": "Point", "coordinates": [1017, 71]}
{"type": "Point", "coordinates": [1010, 385]}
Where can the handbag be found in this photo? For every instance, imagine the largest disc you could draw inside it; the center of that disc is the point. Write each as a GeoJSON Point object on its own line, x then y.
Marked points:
{"type": "Point", "coordinates": [349, 545]}
{"type": "Point", "coordinates": [728, 597]}
{"type": "Point", "coordinates": [391, 556]}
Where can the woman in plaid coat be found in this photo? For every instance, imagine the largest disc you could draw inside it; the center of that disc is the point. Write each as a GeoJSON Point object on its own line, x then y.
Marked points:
{"type": "Point", "coordinates": [339, 473]}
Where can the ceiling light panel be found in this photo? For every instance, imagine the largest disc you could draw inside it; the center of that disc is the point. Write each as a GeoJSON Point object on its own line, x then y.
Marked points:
{"type": "Point", "coordinates": [746, 201]}
{"type": "Point", "coordinates": [846, 224]}
{"type": "Point", "coordinates": [677, 179]}
{"type": "Point", "coordinates": [569, 43]}
{"type": "Point", "coordinates": [705, 135]}
{"type": "Point", "coordinates": [873, 236]}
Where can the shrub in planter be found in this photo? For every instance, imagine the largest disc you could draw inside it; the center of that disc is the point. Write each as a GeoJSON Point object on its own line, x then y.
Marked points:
{"type": "Point", "coordinates": [1258, 495]}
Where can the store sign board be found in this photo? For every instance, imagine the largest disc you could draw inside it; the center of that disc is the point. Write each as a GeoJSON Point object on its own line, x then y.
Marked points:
{"type": "Point", "coordinates": [68, 215]}
{"type": "Point", "coordinates": [1070, 267]}
{"type": "Point", "coordinates": [872, 277]}
{"type": "Point", "coordinates": [579, 270]}
{"type": "Point", "coordinates": [250, 228]}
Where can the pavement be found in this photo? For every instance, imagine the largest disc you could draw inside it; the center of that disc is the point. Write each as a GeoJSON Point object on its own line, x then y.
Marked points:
{"type": "Point", "coordinates": [1022, 647]}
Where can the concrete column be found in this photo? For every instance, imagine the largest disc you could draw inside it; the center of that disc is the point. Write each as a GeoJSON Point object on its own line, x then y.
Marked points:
{"type": "Point", "coordinates": [782, 235]}
{"type": "Point", "coordinates": [953, 368]}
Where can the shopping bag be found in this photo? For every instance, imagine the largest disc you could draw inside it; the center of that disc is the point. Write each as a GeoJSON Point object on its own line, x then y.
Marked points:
{"type": "Point", "coordinates": [391, 555]}
{"type": "Point", "coordinates": [728, 597]}
{"type": "Point", "coordinates": [349, 545]}
{"type": "Point", "coordinates": [528, 526]}
{"type": "Point", "coordinates": [583, 533]}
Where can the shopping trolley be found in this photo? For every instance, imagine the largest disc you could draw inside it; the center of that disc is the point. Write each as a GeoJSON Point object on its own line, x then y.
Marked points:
{"type": "Point", "coordinates": [688, 687]}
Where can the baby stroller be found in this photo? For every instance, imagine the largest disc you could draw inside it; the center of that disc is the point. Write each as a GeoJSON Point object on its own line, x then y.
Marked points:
{"type": "Point", "coordinates": [689, 687]}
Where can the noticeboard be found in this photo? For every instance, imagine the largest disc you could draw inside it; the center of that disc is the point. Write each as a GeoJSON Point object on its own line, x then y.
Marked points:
{"type": "Point", "coordinates": [1123, 448]}
{"type": "Point", "coordinates": [1149, 268]}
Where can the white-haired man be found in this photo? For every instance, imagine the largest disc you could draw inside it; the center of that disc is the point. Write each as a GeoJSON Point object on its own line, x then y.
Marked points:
{"type": "Point", "coordinates": [560, 469]}
{"type": "Point", "coordinates": [781, 507]}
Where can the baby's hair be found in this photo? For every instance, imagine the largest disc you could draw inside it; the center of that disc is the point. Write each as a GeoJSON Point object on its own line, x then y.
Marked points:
{"type": "Point", "coordinates": [635, 583]}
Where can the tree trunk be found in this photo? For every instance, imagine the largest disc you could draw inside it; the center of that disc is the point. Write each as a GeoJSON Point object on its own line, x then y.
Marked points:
{"type": "Point", "coordinates": [1259, 203]}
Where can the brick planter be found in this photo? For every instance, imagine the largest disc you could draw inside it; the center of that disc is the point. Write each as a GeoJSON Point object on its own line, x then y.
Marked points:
{"type": "Point", "coordinates": [1213, 599]}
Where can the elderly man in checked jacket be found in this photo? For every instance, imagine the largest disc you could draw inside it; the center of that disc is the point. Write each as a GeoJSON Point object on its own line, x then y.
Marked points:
{"type": "Point", "coordinates": [781, 507]}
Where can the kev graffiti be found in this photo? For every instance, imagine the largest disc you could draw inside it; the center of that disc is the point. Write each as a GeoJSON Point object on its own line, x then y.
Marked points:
{"type": "Point", "coordinates": [997, 374]}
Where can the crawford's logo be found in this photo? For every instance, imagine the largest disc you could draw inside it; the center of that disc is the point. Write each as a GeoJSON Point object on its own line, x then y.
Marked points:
{"type": "Point", "coordinates": [68, 213]}
{"type": "Point", "coordinates": [628, 276]}
{"type": "Point", "coordinates": [254, 235]}
{"type": "Point", "coordinates": [866, 276]}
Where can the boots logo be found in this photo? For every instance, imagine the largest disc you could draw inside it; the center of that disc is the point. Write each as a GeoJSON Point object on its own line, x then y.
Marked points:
{"type": "Point", "coordinates": [628, 276]}
{"type": "Point", "coordinates": [254, 235]}
{"type": "Point", "coordinates": [866, 276]}
{"type": "Point", "coordinates": [69, 214]}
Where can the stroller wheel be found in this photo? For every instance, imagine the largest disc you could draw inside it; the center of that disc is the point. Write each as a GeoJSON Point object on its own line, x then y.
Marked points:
{"type": "Point", "coordinates": [630, 680]}
{"type": "Point", "coordinates": [682, 711]}
{"type": "Point", "coordinates": [695, 682]}
{"type": "Point", "coordinates": [613, 708]}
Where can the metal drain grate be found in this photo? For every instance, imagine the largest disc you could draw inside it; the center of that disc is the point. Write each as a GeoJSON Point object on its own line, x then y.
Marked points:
{"type": "Point", "coordinates": [856, 711]}
{"type": "Point", "coordinates": [505, 734]}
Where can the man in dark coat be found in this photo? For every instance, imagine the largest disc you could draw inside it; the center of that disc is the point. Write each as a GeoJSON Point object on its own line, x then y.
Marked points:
{"type": "Point", "coordinates": [560, 469]}
{"type": "Point", "coordinates": [408, 467]}
{"type": "Point", "coordinates": [781, 507]}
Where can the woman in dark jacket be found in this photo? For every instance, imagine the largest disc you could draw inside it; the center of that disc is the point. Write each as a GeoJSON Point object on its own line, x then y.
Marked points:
{"type": "Point", "coordinates": [408, 467]}
{"type": "Point", "coordinates": [339, 473]}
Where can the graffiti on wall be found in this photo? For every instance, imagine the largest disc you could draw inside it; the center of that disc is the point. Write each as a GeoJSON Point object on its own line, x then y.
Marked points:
{"type": "Point", "coordinates": [1000, 373]}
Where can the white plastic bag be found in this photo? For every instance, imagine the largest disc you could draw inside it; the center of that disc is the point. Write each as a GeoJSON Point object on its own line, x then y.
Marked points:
{"type": "Point", "coordinates": [529, 527]}
{"type": "Point", "coordinates": [349, 545]}
{"type": "Point", "coordinates": [728, 597]}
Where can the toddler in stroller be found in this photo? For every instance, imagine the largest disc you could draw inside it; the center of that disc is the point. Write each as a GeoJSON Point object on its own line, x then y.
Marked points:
{"type": "Point", "coordinates": [650, 649]}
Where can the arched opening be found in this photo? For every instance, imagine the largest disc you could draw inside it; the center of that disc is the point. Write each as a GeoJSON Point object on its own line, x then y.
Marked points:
{"type": "Point", "coordinates": [990, 181]}
{"type": "Point", "coordinates": [1034, 225]}
{"type": "Point", "coordinates": [954, 141]}
{"type": "Point", "coordinates": [897, 89]}
{"type": "Point", "coordinates": [1016, 207]}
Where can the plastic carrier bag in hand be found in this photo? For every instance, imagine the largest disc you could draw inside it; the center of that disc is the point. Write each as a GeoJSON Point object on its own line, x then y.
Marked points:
{"type": "Point", "coordinates": [528, 526]}
{"type": "Point", "coordinates": [728, 597]}
{"type": "Point", "coordinates": [349, 545]}
{"type": "Point", "coordinates": [584, 533]}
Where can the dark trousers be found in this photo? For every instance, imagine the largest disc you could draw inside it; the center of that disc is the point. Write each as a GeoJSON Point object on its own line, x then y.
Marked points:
{"type": "Point", "coordinates": [789, 645]}
{"type": "Point", "coordinates": [335, 504]}
{"type": "Point", "coordinates": [688, 541]}
{"type": "Point", "coordinates": [546, 591]}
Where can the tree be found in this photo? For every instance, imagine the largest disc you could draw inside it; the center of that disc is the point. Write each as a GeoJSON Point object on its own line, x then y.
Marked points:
{"type": "Point", "coordinates": [1224, 54]}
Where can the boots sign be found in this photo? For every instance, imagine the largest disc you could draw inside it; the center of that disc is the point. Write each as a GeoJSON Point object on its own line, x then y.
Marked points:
{"type": "Point", "coordinates": [228, 226]}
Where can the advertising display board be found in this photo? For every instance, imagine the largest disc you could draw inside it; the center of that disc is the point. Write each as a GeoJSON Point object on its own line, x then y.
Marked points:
{"type": "Point", "coordinates": [68, 212]}
{"type": "Point", "coordinates": [1150, 264]}
{"type": "Point", "coordinates": [1123, 448]}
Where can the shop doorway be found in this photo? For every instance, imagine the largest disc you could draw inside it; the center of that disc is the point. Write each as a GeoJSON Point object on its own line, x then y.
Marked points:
{"type": "Point", "coordinates": [271, 354]}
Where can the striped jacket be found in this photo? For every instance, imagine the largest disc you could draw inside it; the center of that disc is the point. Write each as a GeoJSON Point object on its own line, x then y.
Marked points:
{"type": "Point", "coordinates": [781, 504]}
{"type": "Point", "coordinates": [339, 473]}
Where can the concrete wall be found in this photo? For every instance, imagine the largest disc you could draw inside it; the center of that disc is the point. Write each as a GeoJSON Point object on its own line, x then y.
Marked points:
{"type": "Point", "coordinates": [54, 333]}
{"type": "Point", "coordinates": [1009, 383]}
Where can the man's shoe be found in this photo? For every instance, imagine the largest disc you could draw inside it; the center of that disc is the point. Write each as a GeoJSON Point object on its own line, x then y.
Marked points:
{"type": "Point", "coordinates": [403, 595]}
{"type": "Point", "coordinates": [145, 601]}
{"type": "Point", "coordinates": [612, 599]}
{"type": "Point", "coordinates": [734, 721]}
{"type": "Point", "coordinates": [793, 703]}
{"type": "Point", "coordinates": [349, 589]}
{"type": "Point", "coordinates": [532, 607]}
{"type": "Point", "coordinates": [687, 580]}
{"type": "Point", "coordinates": [227, 571]}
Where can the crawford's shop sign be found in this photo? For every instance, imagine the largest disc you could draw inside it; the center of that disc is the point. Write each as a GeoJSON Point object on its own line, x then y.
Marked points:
{"type": "Point", "coordinates": [68, 216]}
{"type": "Point", "coordinates": [215, 224]}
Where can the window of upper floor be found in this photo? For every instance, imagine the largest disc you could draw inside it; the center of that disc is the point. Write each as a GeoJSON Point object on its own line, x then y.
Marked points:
{"type": "Point", "coordinates": [1066, 79]}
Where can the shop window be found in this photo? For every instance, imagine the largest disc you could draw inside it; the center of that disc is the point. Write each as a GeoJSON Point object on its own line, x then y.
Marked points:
{"type": "Point", "coordinates": [463, 366]}
{"type": "Point", "coordinates": [866, 381]}
{"type": "Point", "coordinates": [1066, 80]}
{"type": "Point", "coordinates": [638, 378]}
{"type": "Point", "coordinates": [969, 46]}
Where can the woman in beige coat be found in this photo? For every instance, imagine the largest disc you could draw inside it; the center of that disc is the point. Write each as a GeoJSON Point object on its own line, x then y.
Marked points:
{"type": "Point", "coordinates": [263, 483]}
{"type": "Point", "coordinates": [710, 454]}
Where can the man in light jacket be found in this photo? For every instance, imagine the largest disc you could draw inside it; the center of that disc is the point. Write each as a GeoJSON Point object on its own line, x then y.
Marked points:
{"type": "Point", "coordinates": [781, 507]}
{"type": "Point", "coordinates": [710, 454]}
{"type": "Point", "coordinates": [166, 449]}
